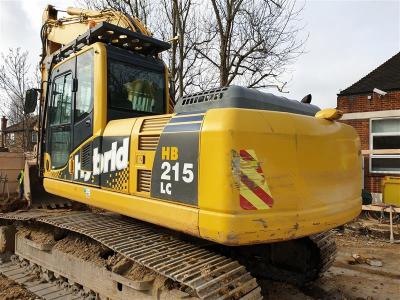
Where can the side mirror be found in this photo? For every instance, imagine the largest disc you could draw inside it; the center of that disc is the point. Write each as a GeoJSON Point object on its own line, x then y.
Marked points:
{"type": "Point", "coordinates": [30, 101]}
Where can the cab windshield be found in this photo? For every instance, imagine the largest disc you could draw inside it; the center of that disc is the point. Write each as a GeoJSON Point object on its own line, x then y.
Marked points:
{"type": "Point", "coordinates": [135, 89]}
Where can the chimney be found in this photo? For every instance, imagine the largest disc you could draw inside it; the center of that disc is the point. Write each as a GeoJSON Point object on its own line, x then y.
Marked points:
{"type": "Point", "coordinates": [3, 127]}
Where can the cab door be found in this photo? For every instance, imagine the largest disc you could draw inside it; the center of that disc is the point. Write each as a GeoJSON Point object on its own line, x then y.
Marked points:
{"type": "Point", "coordinates": [70, 119]}
{"type": "Point", "coordinates": [59, 119]}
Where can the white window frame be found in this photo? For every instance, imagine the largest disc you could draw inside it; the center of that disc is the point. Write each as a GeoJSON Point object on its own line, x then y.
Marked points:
{"type": "Point", "coordinates": [34, 136]}
{"type": "Point", "coordinates": [371, 146]}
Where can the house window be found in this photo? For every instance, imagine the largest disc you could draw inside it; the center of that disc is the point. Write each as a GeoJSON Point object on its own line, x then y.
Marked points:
{"type": "Point", "coordinates": [385, 135]}
{"type": "Point", "coordinates": [12, 137]}
{"type": "Point", "coordinates": [34, 137]}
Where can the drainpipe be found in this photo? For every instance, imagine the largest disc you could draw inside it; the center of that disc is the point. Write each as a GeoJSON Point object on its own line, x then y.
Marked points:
{"type": "Point", "coordinates": [3, 135]}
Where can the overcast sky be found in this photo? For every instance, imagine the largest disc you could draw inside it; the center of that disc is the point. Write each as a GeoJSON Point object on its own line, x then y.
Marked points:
{"type": "Point", "coordinates": [347, 40]}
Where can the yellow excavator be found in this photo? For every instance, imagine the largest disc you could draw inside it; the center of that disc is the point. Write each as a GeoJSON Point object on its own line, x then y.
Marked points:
{"type": "Point", "coordinates": [241, 174]}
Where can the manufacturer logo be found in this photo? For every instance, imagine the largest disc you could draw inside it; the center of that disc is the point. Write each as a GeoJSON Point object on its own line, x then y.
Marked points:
{"type": "Point", "coordinates": [112, 160]}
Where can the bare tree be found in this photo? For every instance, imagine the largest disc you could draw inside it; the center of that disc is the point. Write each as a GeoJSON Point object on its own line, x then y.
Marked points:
{"type": "Point", "coordinates": [181, 18]}
{"type": "Point", "coordinates": [170, 19]}
{"type": "Point", "coordinates": [138, 8]}
{"type": "Point", "coordinates": [220, 42]}
{"type": "Point", "coordinates": [14, 81]}
{"type": "Point", "coordinates": [250, 42]}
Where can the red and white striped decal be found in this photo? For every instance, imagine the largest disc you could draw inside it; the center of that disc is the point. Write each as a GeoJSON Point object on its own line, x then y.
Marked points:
{"type": "Point", "coordinates": [254, 191]}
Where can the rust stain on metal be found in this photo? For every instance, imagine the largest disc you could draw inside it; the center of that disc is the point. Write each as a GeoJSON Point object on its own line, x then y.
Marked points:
{"type": "Point", "coordinates": [231, 237]}
{"type": "Point", "coordinates": [239, 166]}
{"type": "Point", "coordinates": [263, 222]}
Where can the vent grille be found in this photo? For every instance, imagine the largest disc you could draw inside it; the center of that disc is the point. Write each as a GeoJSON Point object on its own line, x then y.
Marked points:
{"type": "Point", "coordinates": [148, 142]}
{"type": "Point", "coordinates": [156, 124]}
{"type": "Point", "coordinates": [144, 181]}
{"type": "Point", "coordinates": [211, 95]}
{"type": "Point", "coordinates": [86, 157]}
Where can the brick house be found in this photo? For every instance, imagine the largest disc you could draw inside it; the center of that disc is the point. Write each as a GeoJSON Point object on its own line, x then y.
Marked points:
{"type": "Point", "coordinates": [19, 137]}
{"type": "Point", "coordinates": [372, 107]}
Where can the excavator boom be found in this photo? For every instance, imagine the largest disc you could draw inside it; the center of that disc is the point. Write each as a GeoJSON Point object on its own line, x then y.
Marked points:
{"type": "Point", "coordinates": [57, 32]}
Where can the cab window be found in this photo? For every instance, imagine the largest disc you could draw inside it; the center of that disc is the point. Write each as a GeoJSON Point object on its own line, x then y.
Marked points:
{"type": "Point", "coordinates": [61, 100]}
{"type": "Point", "coordinates": [84, 94]}
{"type": "Point", "coordinates": [135, 89]}
{"type": "Point", "coordinates": [60, 120]}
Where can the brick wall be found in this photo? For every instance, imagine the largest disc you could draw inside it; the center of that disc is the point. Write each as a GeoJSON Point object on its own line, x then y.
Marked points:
{"type": "Point", "coordinates": [361, 103]}
{"type": "Point", "coordinates": [362, 128]}
{"type": "Point", "coordinates": [372, 182]}
{"type": "Point", "coordinates": [22, 141]}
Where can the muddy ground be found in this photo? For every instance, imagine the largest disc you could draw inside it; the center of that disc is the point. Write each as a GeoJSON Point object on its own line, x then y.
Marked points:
{"type": "Point", "coordinates": [10, 290]}
{"type": "Point", "coordinates": [347, 279]}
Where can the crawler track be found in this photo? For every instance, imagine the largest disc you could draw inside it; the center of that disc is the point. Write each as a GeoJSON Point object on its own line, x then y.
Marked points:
{"type": "Point", "coordinates": [221, 273]}
{"type": "Point", "coordinates": [207, 274]}
{"type": "Point", "coordinates": [21, 274]}
{"type": "Point", "coordinates": [327, 250]}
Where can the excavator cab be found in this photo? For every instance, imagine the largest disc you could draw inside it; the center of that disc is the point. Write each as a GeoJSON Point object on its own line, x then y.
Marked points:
{"type": "Point", "coordinates": [93, 81]}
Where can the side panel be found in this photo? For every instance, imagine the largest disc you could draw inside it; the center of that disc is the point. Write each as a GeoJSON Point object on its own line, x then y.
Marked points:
{"type": "Point", "coordinates": [128, 147]}
{"type": "Point", "coordinates": [113, 163]}
{"type": "Point", "coordinates": [82, 162]}
{"type": "Point", "coordinates": [166, 214]}
{"type": "Point", "coordinates": [175, 168]}
{"type": "Point", "coordinates": [103, 162]}
{"type": "Point", "coordinates": [299, 175]}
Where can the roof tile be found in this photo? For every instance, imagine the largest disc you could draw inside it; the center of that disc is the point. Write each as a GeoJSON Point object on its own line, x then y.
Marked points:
{"type": "Point", "coordinates": [386, 77]}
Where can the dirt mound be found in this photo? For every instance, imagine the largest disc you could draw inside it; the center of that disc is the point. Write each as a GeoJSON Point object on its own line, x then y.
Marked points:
{"type": "Point", "coordinates": [83, 248]}
{"type": "Point", "coordinates": [90, 250]}
{"type": "Point", "coordinates": [12, 290]}
{"type": "Point", "coordinates": [43, 235]}
{"type": "Point", "coordinates": [12, 204]}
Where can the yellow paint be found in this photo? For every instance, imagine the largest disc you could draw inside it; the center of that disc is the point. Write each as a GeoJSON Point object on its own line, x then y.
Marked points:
{"type": "Point", "coordinates": [174, 216]}
{"type": "Point", "coordinates": [121, 127]}
{"type": "Point", "coordinates": [169, 104]}
{"type": "Point", "coordinates": [329, 114]}
{"type": "Point", "coordinates": [252, 198]}
{"type": "Point", "coordinates": [391, 190]}
{"type": "Point", "coordinates": [64, 30]}
{"type": "Point", "coordinates": [100, 88]}
{"type": "Point", "coordinates": [312, 166]}
{"type": "Point", "coordinates": [188, 115]}
{"type": "Point", "coordinates": [169, 153]}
